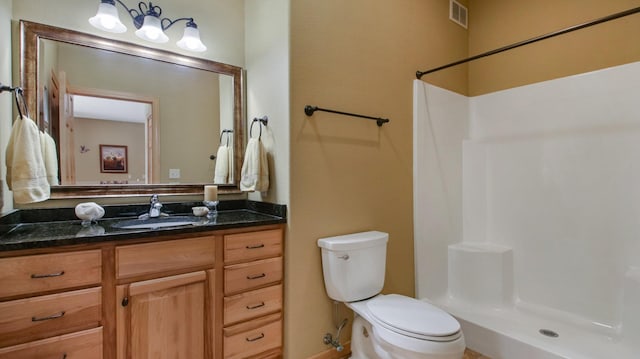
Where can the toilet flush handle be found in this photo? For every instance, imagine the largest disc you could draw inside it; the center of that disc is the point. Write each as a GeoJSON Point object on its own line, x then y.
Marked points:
{"type": "Point", "coordinates": [345, 257]}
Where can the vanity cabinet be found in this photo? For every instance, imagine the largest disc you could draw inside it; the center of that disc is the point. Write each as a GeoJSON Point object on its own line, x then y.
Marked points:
{"type": "Point", "coordinates": [167, 316]}
{"type": "Point", "coordinates": [253, 274]}
{"type": "Point", "coordinates": [51, 305]}
{"type": "Point", "coordinates": [210, 295]}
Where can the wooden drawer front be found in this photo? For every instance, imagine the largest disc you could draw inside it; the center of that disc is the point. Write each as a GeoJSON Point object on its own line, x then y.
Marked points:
{"type": "Point", "coordinates": [239, 343]}
{"type": "Point", "coordinates": [149, 258]}
{"type": "Point", "coordinates": [252, 304]}
{"type": "Point", "coordinates": [47, 272]}
{"type": "Point", "coordinates": [254, 245]}
{"type": "Point", "coordinates": [80, 345]}
{"type": "Point", "coordinates": [35, 318]}
{"type": "Point", "coordinates": [246, 276]}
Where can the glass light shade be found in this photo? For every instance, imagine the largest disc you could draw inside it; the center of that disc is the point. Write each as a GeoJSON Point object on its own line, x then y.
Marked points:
{"type": "Point", "coordinates": [107, 19]}
{"type": "Point", "coordinates": [191, 40]}
{"type": "Point", "coordinates": [151, 30]}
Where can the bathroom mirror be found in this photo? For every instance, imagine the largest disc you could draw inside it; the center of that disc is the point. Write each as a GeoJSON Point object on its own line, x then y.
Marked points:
{"type": "Point", "coordinates": [167, 147]}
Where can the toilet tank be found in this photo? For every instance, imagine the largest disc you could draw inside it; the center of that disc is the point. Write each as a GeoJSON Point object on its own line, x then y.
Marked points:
{"type": "Point", "coordinates": [354, 265]}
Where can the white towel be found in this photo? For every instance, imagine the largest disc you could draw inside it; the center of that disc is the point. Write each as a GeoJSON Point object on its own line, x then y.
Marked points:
{"type": "Point", "coordinates": [255, 169]}
{"type": "Point", "coordinates": [221, 173]}
{"type": "Point", "coordinates": [50, 157]}
{"type": "Point", "coordinates": [230, 162]}
{"type": "Point", "coordinates": [26, 173]}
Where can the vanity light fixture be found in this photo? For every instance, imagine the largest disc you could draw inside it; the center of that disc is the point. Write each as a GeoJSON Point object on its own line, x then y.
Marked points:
{"type": "Point", "coordinates": [148, 23]}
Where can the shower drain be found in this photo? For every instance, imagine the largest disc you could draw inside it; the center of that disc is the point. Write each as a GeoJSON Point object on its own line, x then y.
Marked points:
{"type": "Point", "coordinates": [549, 333]}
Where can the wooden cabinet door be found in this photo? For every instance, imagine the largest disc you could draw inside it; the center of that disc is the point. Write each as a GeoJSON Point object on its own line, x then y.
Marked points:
{"type": "Point", "coordinates": [168, 317]}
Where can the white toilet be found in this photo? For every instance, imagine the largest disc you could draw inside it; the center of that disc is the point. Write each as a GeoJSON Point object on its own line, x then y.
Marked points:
{"type": "Point", "coordinates": [385, 326]}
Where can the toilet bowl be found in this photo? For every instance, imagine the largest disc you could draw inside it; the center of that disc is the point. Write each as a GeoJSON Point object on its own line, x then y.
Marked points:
{"type": "Point", "coordinates": [385, 326]}
{"type": "Point", "coordinates": [401, 327]}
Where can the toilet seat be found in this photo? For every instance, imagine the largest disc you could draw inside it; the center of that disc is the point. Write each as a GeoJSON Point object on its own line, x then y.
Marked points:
{"type": "Point", "coordinates": [413, 318]}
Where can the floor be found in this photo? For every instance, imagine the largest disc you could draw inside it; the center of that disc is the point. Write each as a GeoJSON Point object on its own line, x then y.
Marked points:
{"type": "Point", "coordinates": [470, 354]}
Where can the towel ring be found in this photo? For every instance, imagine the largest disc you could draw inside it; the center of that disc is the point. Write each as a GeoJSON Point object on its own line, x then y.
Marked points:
{"type": "Point", "coordinates": [18, 93]}
{"type": "Point", "coordinates": [251, 128]}
{"type": "Point", "coordinates": [228, 132]}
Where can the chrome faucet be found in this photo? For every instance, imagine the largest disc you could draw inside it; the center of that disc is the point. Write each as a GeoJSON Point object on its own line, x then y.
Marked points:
{"type": "Point", "coordinates": [155, 206]}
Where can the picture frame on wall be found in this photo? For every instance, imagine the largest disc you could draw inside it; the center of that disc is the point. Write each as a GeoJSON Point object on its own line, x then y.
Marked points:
{"type": "Point", "coordinates": [113, 159]}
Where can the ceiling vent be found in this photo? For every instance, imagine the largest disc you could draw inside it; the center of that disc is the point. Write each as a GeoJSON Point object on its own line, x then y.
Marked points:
{"type": "Point", "coordinates": [458, 13]}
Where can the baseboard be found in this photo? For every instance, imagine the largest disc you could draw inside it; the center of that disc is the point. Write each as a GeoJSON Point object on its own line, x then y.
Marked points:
{"type": "Point", "coordinates": [333, 353]}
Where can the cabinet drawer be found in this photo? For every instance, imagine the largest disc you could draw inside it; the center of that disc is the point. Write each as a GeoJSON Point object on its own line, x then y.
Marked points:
{"type": "Point", "coordinates": [254, 245]}
{"type": "Point", "coordinates": [246, 276]}
{"type": "Point", "coordinates": [149, 258]}
{"type": "Point", "coordinates": [35, 318]}
{"type": "Point", "coordinates": [80, 345]}
{"type": "Point", "coordinates": [47, 272]}
{"type": "Point", "coordinates": [240, 342]}
{"type": "Point", "coordinates": [252, 304]}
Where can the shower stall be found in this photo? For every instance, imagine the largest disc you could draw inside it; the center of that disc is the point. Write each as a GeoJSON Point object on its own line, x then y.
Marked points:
{"type": "Point", "coordinates": [527, 214]}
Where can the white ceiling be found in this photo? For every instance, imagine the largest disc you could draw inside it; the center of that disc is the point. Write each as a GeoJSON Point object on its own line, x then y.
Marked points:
{"type": "Point", "coordinates": [100, 108]}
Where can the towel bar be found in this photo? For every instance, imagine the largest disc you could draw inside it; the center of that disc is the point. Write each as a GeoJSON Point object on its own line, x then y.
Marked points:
{"type": "Point", "coordinates": [309, 110]}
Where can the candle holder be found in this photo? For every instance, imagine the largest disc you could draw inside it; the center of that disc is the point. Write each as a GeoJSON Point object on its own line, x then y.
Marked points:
{"type": "Point", "coordinates": [213, 209]}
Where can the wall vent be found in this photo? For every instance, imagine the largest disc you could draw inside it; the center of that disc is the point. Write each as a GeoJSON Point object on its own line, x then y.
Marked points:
{"type": "Point", "coordinates": [458, 13]}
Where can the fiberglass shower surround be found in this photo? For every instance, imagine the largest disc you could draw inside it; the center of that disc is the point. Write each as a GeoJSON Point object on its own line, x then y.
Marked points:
{"type": "Point", "coordinates": [527, 208]}
{"type": "Point", "coordinates": [544, 240]}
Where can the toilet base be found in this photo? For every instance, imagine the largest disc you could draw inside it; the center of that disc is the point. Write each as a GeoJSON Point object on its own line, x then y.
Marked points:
{"type": "Point", "coordinates": [361, 343]}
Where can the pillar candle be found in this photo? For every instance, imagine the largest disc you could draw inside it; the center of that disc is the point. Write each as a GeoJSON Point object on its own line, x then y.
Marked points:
{"type": "Point", "coordinates": [210, 193]}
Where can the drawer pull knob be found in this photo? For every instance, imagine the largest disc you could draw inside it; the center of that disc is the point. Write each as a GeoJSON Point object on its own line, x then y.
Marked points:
{"type": "Point", "coordinates": [53, 316]}
{"type": "Point", "coordinates": [256, 338]}
{"type": "Point", "coordinates": [125, 301]}
{"type": "Point", "coordinates": [256, 246]}
{"type": "Point", "coordinates": [256, 306]}
{"type": "Point", "coordinates": [64, 356]}
{"type": "Point", "coordinates": [38, 276]}
{"type": "Point", "coordinates": [258, 276]}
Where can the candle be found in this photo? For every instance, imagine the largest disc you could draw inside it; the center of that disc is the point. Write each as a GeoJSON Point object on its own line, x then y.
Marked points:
{"type": "Point", "coordinates": [210, 193]}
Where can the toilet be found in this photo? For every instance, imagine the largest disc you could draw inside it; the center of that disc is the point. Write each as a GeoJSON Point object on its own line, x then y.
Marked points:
{"type": "Point", "coordinates": [387, 326]}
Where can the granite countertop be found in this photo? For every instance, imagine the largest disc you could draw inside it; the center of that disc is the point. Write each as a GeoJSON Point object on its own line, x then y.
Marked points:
{"type": "Point", "coordinates": [42, 228]}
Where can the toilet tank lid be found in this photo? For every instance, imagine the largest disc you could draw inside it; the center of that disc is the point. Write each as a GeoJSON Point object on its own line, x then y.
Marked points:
{"type": "Point", "coordinates": [354, 241]}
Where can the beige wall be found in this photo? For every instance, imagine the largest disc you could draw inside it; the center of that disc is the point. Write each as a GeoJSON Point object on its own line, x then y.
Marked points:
{"type": "Point", "coordinates": [604, 45]}
{"type": "Point", "coordinates": [267, 64]}
{"type": "Point", "coordinates": [6, 116]}
{"type": "Point", "coordinates": [96, 132]}
{"type": "Point", "coordinates": [348, 175]}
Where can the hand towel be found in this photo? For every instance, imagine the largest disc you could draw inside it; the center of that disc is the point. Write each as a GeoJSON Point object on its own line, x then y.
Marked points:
{"type": "Point", "coordinates": [255, 169]}
{"type": "Point", "coordinates": [50, 157]}
{"type": "Point", "coordinates": [26, 173]}
{"type": "Point", "coordinates": [221, 173]}
{"type": "Point", "coordinates": [230, 162]}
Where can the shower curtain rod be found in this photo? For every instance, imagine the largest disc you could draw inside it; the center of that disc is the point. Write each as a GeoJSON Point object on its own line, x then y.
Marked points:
{"type": "Point", "coordinates": [618, 15]}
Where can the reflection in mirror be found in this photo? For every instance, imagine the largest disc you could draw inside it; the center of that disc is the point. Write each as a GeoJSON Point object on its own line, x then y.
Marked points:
{"type": "Point", "coordinates": [187, 101]}
{"type": "Point", "coordinates": [102, 120]}
{"type": "Point", "coordinates": [169, 111]}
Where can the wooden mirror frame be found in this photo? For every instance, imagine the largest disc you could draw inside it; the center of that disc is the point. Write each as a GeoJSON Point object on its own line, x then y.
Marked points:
{"type": "Point", "coordinates": [31, 33]}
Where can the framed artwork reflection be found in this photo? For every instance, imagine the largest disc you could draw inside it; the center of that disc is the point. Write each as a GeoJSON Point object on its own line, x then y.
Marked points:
{"type": "Point", "coordinates": [113, 159]}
